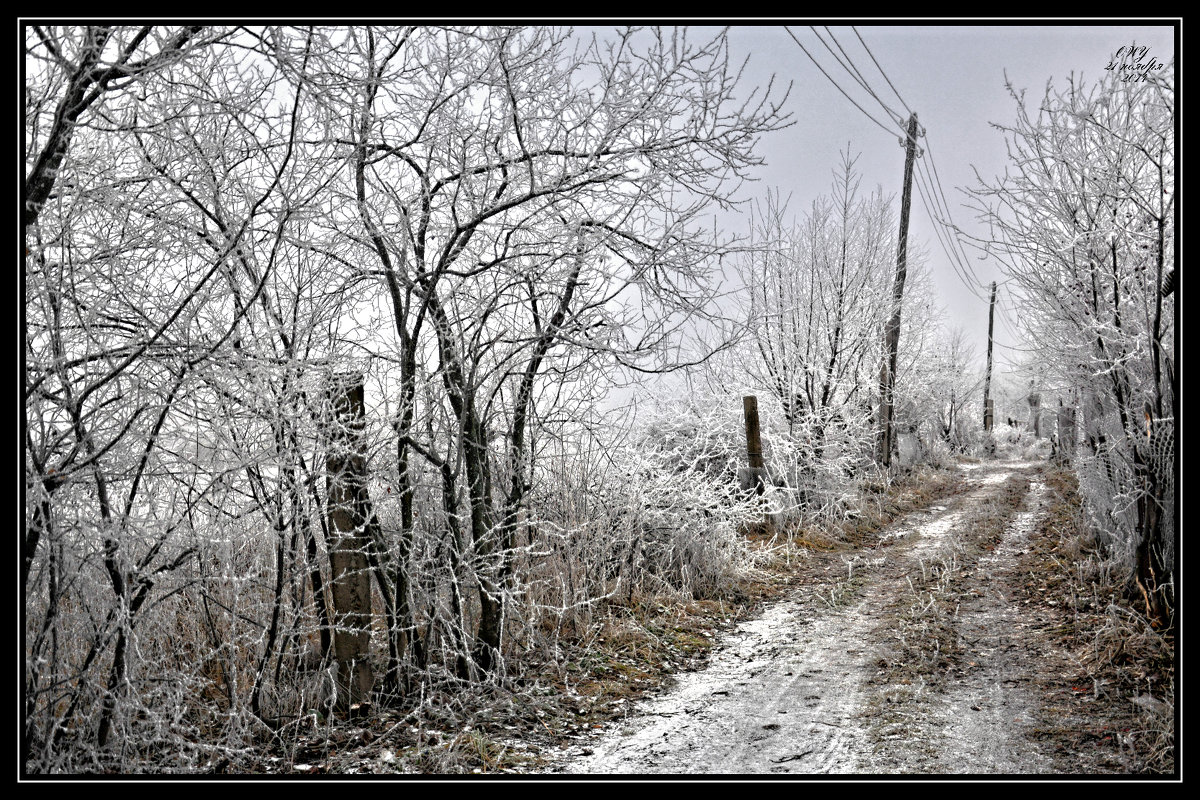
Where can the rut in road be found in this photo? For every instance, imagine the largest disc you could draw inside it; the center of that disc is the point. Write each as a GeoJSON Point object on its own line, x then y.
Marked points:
{"type": "Point", "coordinates": [790, 692]}
{"type": "Point", "coordinates": [981, 710]}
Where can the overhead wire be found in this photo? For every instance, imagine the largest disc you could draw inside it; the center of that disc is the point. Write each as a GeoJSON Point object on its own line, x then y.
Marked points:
{"type": "Point", "coordinates": [949, 218]}
{"type": "Point", "coordinates": [1011, 326]}
{"type": "Point", "coordinates": [926, 193]}
{"type": "Point", "coordinates": [855, 73]}
{"type": "Point", "coordinates": [1011, 356]}
{"type": "Point", "coordinates": [929, 185]}
{"type": "Point", "coordinates": [1008, 324]}
{"type": "Point", "coordinates": [955, 252]}
{"type": "Point", "coordinates": [831, 80]}
{"type": "Point", "coordinates": [881, 72]}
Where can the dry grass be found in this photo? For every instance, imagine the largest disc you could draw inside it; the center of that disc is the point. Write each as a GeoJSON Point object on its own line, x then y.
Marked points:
{"type": "Point", "coordinates": [562, 685]}
{"type": "Point", "coordinates": [1123, 667]}
{"type": "Point", "coordinates": [881, 502]}
{"type": "Point", "coordinates": [927, 641]}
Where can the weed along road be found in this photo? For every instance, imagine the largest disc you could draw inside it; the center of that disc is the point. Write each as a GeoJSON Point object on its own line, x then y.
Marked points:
{"type": "Point", "coordinates": [912, 654]}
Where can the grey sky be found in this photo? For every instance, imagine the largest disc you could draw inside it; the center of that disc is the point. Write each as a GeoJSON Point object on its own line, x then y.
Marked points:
{"type": "Point", "coordinates": [953, 78]}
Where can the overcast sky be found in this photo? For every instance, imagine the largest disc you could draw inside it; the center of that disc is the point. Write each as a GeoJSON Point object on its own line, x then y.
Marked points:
{"type": "Point", "coordinates": [953, 78]}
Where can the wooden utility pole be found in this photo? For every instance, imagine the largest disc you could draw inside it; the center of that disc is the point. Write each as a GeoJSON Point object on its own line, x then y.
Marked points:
{"type": "Point", "coordinates": [891, 333]}
{"type": "Point", "coordinates": [987, 381]}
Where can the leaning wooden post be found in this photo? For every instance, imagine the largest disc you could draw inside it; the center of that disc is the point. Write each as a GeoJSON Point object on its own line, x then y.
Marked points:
{"type": "Point", "coordinates": [1035, 414]}
{"type": "Point", "coordinates": [346, 484]}
{"type": "Point", "coordinates": [1066, 434]}
{"type": "Point", "coordinates": [753, 444]}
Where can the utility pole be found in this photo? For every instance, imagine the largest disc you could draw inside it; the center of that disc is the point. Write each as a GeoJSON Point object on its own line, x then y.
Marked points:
{"type": "Point", "coordinates": [891, 333]}
{"type": "Point", "coordinates": [987, 381]}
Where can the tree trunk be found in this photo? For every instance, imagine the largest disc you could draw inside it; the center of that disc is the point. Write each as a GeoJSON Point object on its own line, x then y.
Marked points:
{"type": "Point", "coordinates": [346, 483]}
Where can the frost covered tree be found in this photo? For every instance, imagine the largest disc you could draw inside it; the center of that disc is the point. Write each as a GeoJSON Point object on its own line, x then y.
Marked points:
{"type": "Point", "coordinates": [817, 297]}
{"type": "Point", "coordinates": [939, 386]}
{"type": "Point", "coordinates": [819, 293]}
{"type": "Point", "coordinates": [1083, 224]}
{"type": "Point", "coordinates": [493, 224]}
{"type": "Point", "coordinates": [533, 208]}
{"type": "Point", "coordinates": [172, 290]}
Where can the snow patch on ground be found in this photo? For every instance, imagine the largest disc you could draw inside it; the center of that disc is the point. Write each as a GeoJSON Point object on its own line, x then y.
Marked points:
{"type": "Point", "coordinates": [775, 699]}
{"type": "Point", "coordinates": [788, 692]}
{"type": "Point", "coordinates": [982, 714]}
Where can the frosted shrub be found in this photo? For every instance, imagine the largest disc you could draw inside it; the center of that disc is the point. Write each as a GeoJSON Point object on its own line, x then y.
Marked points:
{"type": "Point", "coordinates": [816, 463]}
{"type": "Point", "coordinates": [680, 509]}
{"type": "Point", "coordinates": [685, 531]}
{"type": "Point", "coordinates": [939, 453]}
{"type": "Point", "coordinates": [658, 512]}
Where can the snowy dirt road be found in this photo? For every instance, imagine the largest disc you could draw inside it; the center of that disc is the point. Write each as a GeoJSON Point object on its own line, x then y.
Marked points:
{"type": "Point", "coordinates": [843, 676]}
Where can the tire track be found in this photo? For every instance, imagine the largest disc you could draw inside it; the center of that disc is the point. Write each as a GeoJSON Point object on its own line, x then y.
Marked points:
{"type": "Point", "coordinates": [787, 692]}
{"type": "Point", "coordinates": [984, 712]}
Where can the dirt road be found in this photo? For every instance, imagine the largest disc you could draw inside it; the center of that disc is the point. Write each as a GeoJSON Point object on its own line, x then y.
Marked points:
{"type": "Point", "coordinates": [853, 673]}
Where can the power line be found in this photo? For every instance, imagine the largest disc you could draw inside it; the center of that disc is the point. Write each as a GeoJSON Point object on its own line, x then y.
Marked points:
{"type": "Point", "coordinates": [964, 268]}
{"type": "Point", "coordinates": [835, 83]}
{"type": "Point", "coordinates": [940, 214]}
{"type": "Point", "coordinates": [943, 205]}
{"type": "Point", "coordinates": [1013, 327]}
{"type": "Point", "coordinates": [855, 73]}
{"type": "Point", "coordinates": [929, 184]}
{"type": "Point", "coordinates": [1008, 325]}
{"type": "Point", "coordinates": [947, 238]}
{"type": "Point", "coordinates": [949, 217]}
{"type": "Point", "coordinates": [927, 195]}
{"type": "Point", "coordinates": [881, 72]}
{"type": "Point", "coordinates": [963, 261]}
